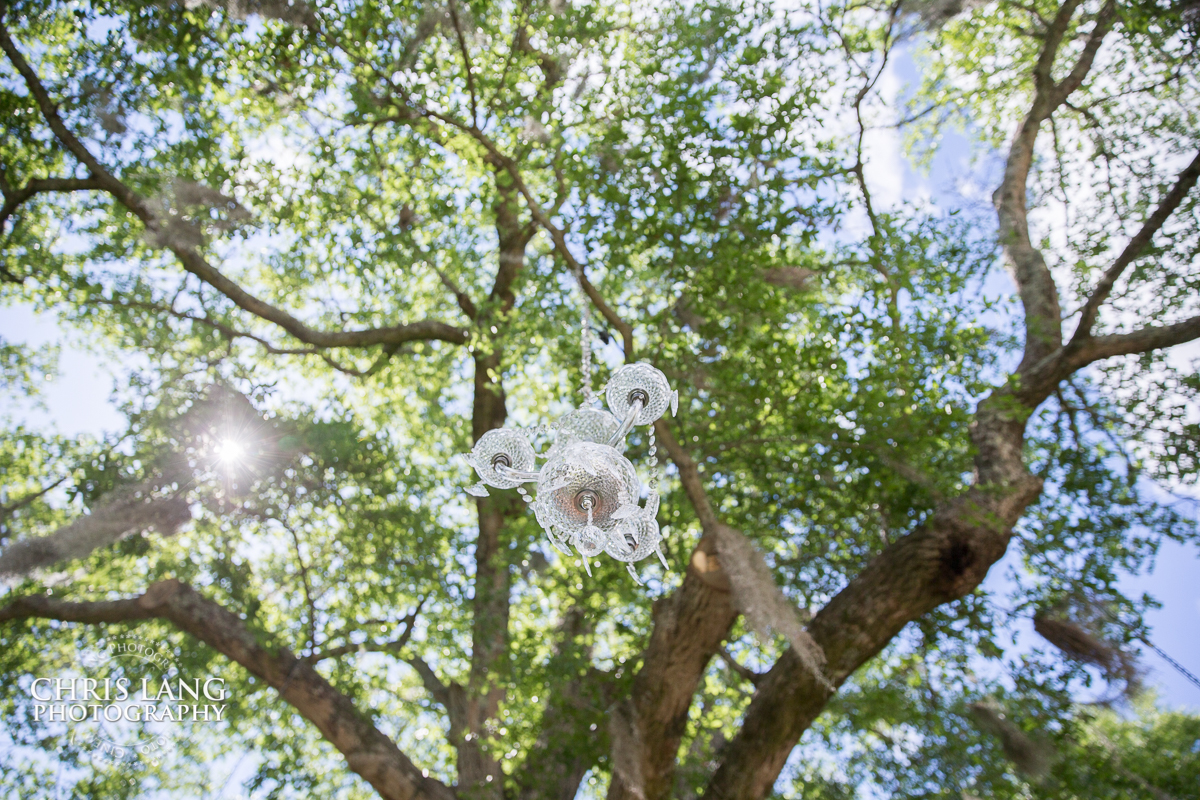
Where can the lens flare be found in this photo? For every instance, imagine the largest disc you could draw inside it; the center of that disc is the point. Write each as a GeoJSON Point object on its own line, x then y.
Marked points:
{"type": "Point", "coordinates": [229, 452]}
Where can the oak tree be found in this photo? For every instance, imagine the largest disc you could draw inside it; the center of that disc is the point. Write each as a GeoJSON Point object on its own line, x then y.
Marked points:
{"type": "Point", "coordinates": [332, 244]}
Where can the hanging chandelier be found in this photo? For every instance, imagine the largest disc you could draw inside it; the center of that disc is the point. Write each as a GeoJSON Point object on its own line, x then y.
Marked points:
{"type": "Point", "coordinates": [588, 492]}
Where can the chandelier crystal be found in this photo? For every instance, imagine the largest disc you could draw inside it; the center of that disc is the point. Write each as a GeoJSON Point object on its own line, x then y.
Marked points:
{"type": "Point", "coordinates": [588, 492]}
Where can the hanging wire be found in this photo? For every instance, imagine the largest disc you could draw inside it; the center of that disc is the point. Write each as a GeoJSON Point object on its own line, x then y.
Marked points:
{"type": "Point", "coordinates": [1146, 641]}
{"type": "Point", "coordinates": [1182, 669]}
{"type": "Point", "coordinates": [653, 461]}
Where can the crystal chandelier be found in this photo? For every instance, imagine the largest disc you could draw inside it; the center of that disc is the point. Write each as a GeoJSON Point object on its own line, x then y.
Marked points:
{"type": "Point", "coordinates": [587, 491]}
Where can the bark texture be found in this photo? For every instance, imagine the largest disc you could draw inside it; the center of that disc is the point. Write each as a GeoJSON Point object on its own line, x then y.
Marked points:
{"type": "Point", "coordinates": [480, 773]}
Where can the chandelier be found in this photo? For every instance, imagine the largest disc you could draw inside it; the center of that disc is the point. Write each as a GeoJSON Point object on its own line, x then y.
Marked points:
{"type": "Point", "coordinates": [588, 492]}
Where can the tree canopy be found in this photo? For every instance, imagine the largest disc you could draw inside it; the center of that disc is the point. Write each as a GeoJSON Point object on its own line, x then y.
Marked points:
{"type": "Point", "coordinates": [332, 244]}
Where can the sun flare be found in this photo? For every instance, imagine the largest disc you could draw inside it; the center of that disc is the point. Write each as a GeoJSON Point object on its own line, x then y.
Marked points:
{"type": "Point", "coordinates": [229, 452]}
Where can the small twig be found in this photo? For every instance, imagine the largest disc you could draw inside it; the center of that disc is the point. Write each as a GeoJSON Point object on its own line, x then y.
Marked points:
{"type": "Point", "coordinates": [7, 510]}
{"type": "Point", "coordinates": [462, 46]}
{"type": "Point", "coordinates": [740, 669]}
{"type": "Point", "coordinates": [308, 597]}
{"type": "Point", "coordinates": [393, 646]}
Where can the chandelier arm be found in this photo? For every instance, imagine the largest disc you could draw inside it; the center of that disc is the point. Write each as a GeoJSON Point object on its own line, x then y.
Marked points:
{"type": "Point", "coordinates": [523, 475]}
{"type": "Point", "coordinates": [631, 416]}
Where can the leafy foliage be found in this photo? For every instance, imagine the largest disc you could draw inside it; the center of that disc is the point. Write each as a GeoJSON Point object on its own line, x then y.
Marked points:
{"type": "Point", "coordinates": [360, 169]}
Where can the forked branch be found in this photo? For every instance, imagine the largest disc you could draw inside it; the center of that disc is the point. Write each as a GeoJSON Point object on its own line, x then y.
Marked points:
{"type": "Point", "coordinates": [191, 259]}
{"type": "Point", "coordinates": [1166, 207]}
{"type": "Point", "coordinates": [557, 235]}
{"type": "Point", "coordinates": [1039, 294]}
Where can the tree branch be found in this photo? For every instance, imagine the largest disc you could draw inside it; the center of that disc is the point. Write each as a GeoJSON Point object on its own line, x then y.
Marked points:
{"type": "Point", "coordinates": [1043, 78]}
{"type": "Point", "coordinates": [1083, 65]}
{"type": "Point", "coordinates": [1142, 340]}
{"type": "Point", "coordinates": [1039, 381]}
{"type": "Point", "coordinates": [857, 170]}
{"type": "Point", "coordinates": [688, 629]}
{"type": "Point", "coordinates": [195, 263]}
{"type": "Point", "coordinates": [394, 646]}
{"type": "Point", "coordinates": [437, 690]}
{"type": "Point", "coordinates": [942, 560]}
{"type": "Point", "coordinates": [13, 198]}
{"type": "Point", "coordinates": [689, 474]}
{"type": "Point", "coordinates": [1039, 295]}
{"type": "Point", "coordinates": [744, 672]}
{"type": "Point", "coordinates": [557, 235]}
{"type": "Point", "coordinates": [462, 46]}
{"type": "Point", "coordinates": [368, 751]}
{"type": "Point", "coordinates": [1166, 207]}
{"type": "Point", "coordinates": [472, 709]}
{"type": "Point", "coordinates": [465, 303]}
{"type": "Point", "coordinates": [7, 509]}
{"type": "Point", "coordinates": [228, 331]}
{"type": "Point", "coordinates": [453, 698]}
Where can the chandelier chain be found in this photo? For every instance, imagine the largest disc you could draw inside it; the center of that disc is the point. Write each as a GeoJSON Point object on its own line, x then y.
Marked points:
{"type": "Point", "coordinates": [585, 340]}
{"type": "Point", "coordinates": [653, 461]}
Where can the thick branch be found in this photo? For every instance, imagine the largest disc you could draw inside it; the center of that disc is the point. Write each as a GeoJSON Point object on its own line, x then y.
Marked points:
{"type": "Point", "coordinates": [1143, 340]}
{"type": "Point", "coordinates": [91, 613]}
{"type": "Point", "coordinates": [1083, 65]}
{"type": "Point", "coordinates": [479, 772]}
{"type": "Point", "coordinates": [942, 560]}
{"type": "Point", "coordinates": [195, 263]}
{"type": "Point", "coordinates": [689, 474]}
{"type": "Point", "coordinates": [368, 752]}
{"type": "Point", "coordinates": [1183, 185]}
{"type": "Point", "coordinates": [688, 629]}
{"type": "Point", "coordinates": [229, 332]}
{"type": "Point", "coordinates": [1043, 68]}
{"type": "Point", "coordinates": [1040, 380]}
